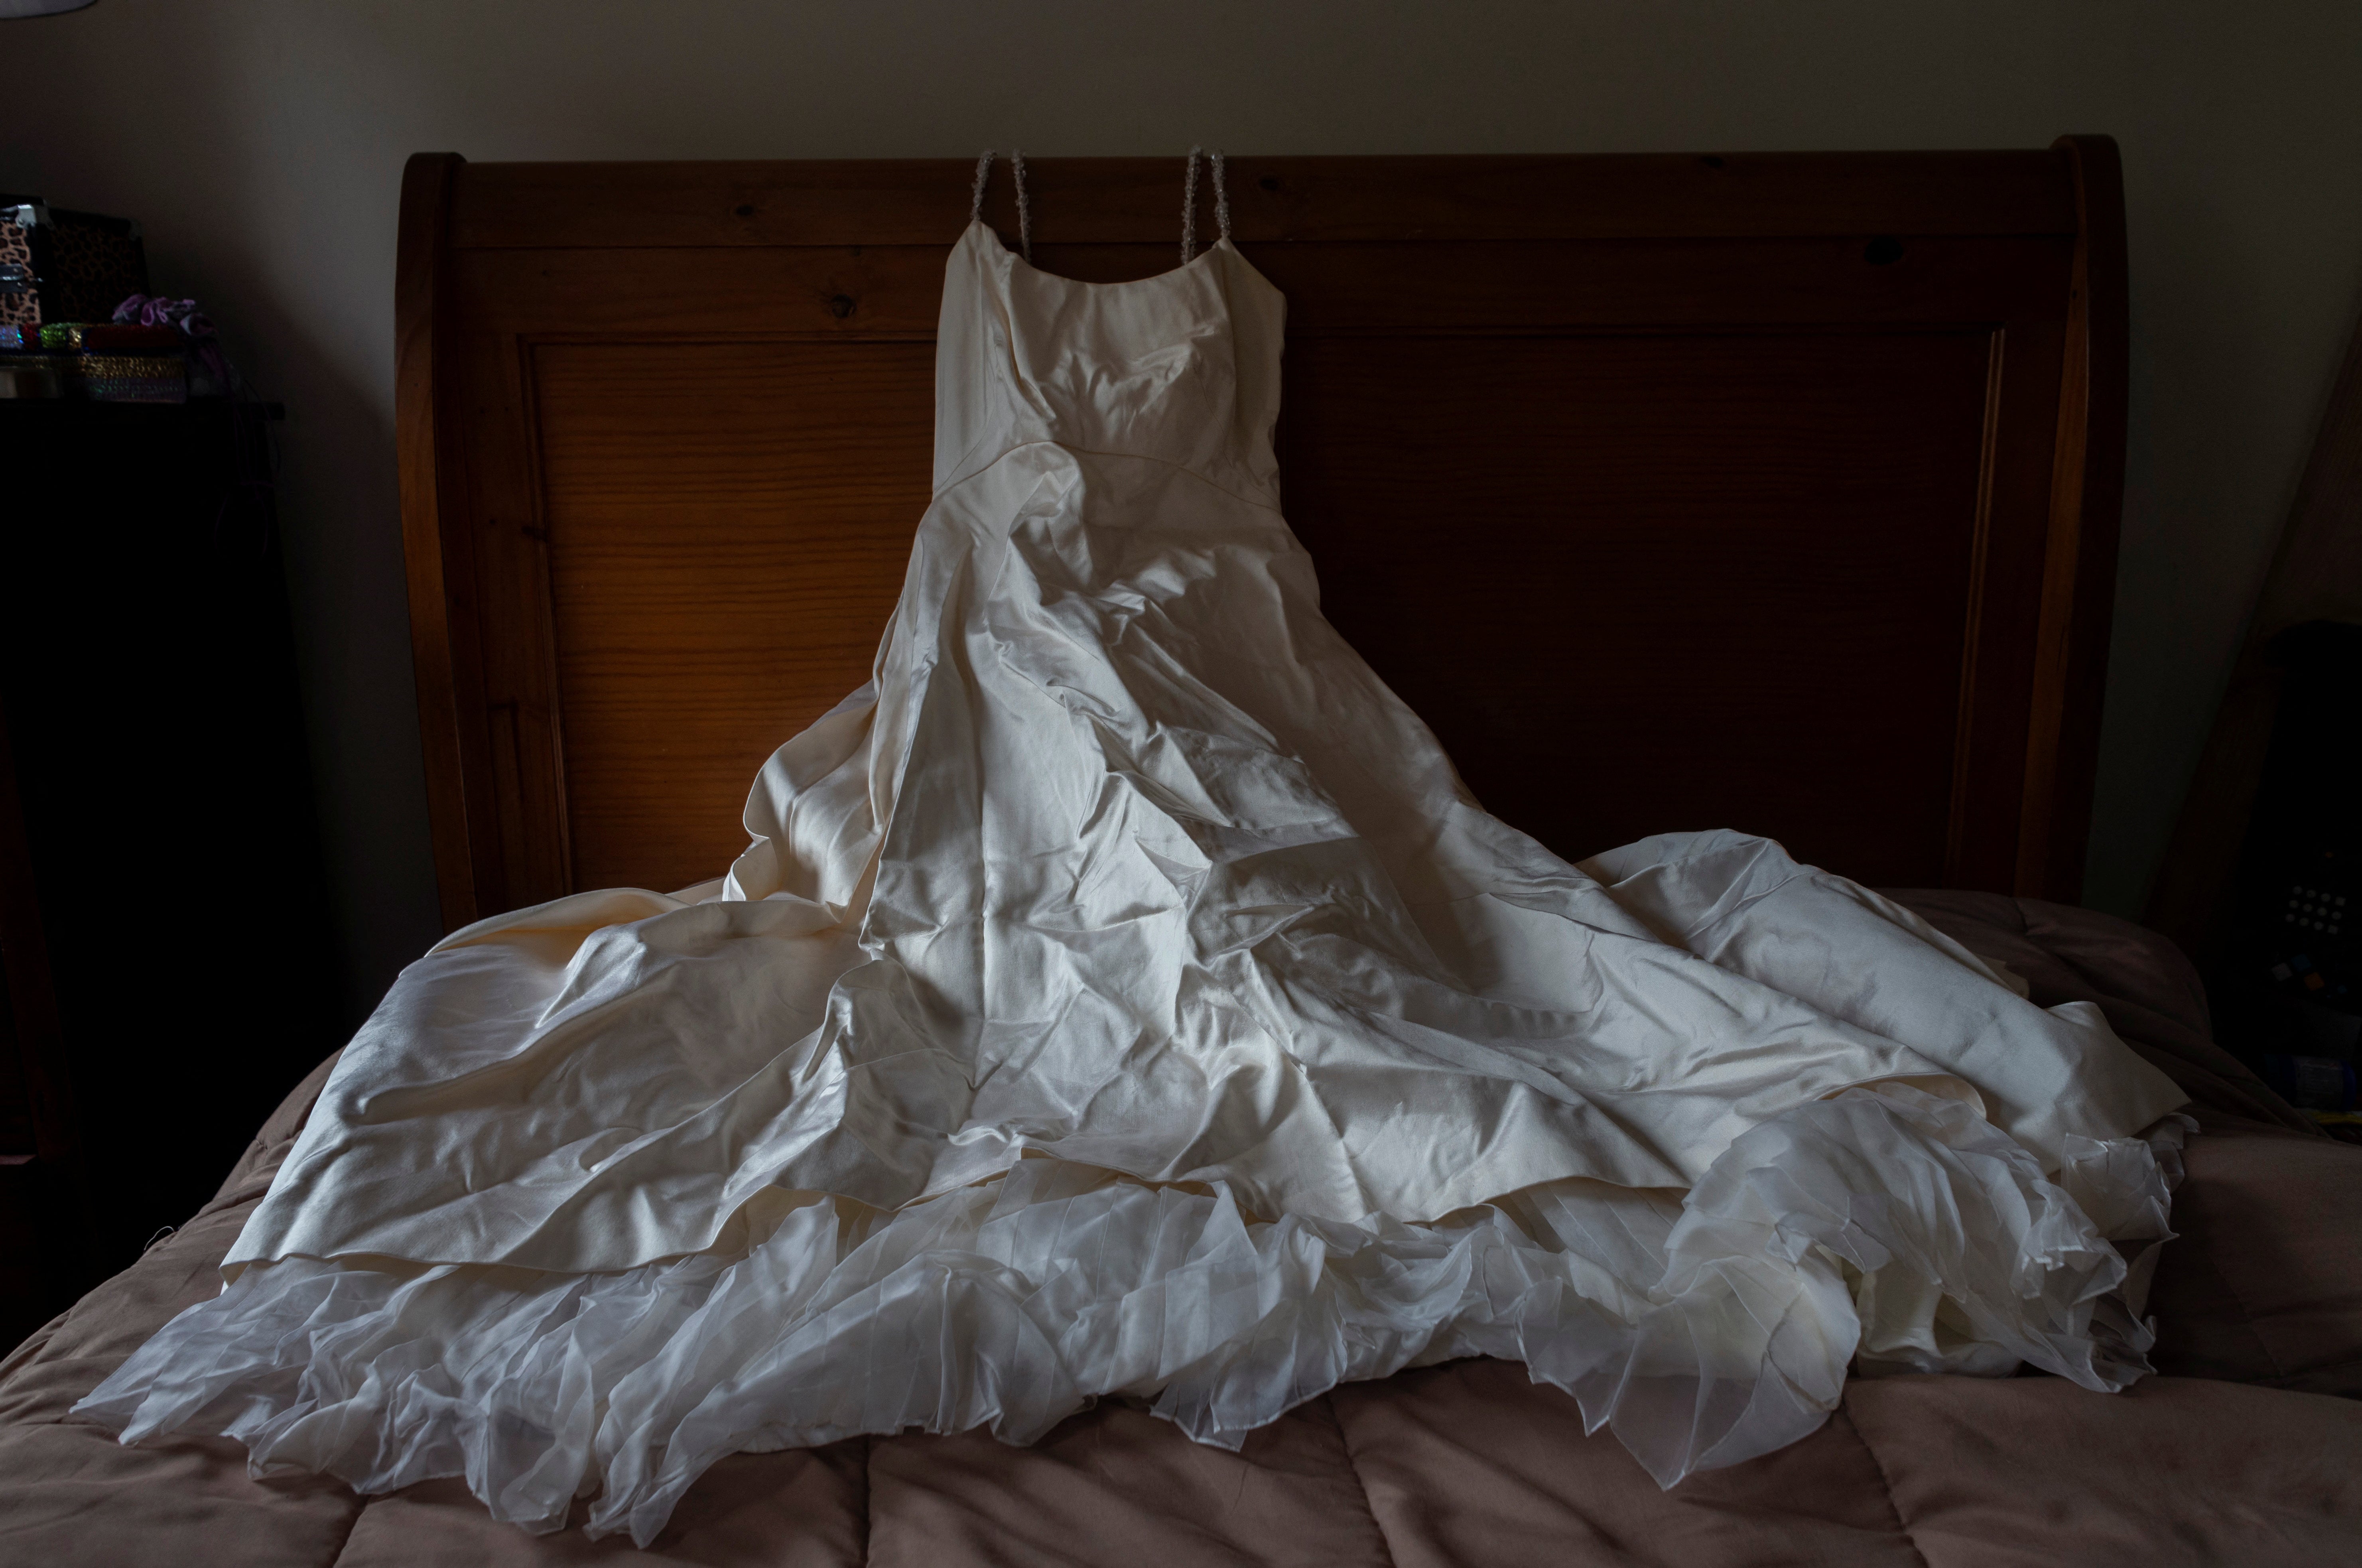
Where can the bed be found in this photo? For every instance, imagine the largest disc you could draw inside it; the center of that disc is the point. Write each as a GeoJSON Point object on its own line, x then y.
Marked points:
{"type": "Point", "coordinates": [1799, 477]}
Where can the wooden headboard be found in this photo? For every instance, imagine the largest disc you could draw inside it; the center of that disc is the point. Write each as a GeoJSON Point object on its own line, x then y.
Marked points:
{"type": "Point", "coordinates": [1777, 493]}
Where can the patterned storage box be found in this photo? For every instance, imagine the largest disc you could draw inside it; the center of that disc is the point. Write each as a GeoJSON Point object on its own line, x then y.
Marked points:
{"type": "Point", "coordinates": [128, 378]}
{"type": "Point", "coordinates": [20, 298]}
{"type": "Point", "coordinates": [96, 263]}
{"type": "Point", "coordinates": [57, 264]}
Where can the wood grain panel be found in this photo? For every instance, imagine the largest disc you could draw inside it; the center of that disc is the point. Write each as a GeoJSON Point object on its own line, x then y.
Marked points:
{"type": "Point", "coordinates": [1997, 695]}
{"type": "Point", "coordinates": [445, 658]}
{"type": "Point", "coordinates": [2087, 492]}
{"type": "Point", "coordinates": [727, 528]}
{"type": "Point", "coordinates": [1119, 200]}
{"type": "Point", "coordinates": [1639, 585]}
{"type": "Point", "coordinates": [895, 291]}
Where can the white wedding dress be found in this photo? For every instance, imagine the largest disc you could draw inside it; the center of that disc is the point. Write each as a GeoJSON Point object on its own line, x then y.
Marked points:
{"type": "Point", "coordinates": [1121, 996]}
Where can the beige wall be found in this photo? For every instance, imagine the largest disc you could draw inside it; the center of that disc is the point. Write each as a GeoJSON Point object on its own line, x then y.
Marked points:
{"type": "Point", "coordinates": [262, 142]}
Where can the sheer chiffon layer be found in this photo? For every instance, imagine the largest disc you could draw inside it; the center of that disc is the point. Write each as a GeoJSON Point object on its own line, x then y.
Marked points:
{"type": "Point", "coordinates": [1703, 1328]}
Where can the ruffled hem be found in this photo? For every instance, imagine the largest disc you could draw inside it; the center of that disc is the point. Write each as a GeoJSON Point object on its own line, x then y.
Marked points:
{"type": "Point", "coordinates": [1703, 1329]}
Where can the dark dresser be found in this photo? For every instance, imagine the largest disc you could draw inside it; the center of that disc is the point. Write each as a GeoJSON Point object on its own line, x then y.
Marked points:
{"type": "Point", "coordinates": [169, 965]}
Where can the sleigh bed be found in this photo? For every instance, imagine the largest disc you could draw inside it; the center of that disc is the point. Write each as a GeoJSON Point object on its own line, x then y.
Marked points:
{"type": "Point", "coordinates": [1794, 475]}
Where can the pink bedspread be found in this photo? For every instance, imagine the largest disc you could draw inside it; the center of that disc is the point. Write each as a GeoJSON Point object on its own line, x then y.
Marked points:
{"type": "Point", "coordinates": [2245, 1448]}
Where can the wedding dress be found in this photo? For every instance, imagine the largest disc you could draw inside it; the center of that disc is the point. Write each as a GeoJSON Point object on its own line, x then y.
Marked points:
{"type": "Point", "coordinates": [1122, 997]}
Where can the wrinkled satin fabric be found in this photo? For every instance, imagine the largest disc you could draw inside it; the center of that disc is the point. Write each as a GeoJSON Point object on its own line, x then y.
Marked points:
{"type": "Point", "coordinates": [1121, 996]}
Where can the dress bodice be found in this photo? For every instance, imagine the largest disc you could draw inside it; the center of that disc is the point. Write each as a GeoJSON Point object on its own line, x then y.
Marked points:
{"type": "Point", "coordinates": [1182, 367]}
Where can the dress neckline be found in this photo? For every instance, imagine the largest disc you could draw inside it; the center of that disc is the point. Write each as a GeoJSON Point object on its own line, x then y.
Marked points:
{"type": "Point", "coordinates": [1014, 260]}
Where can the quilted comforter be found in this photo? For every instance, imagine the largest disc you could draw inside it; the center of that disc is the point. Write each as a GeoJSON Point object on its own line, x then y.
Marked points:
{"type": "Point", "coordinates": [2245, 1447]}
